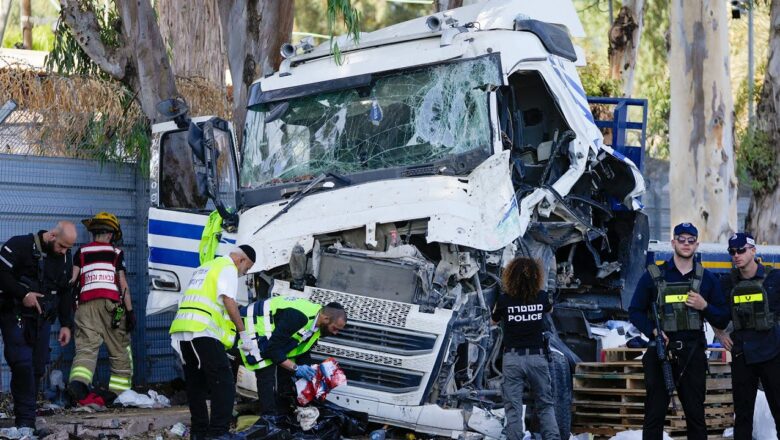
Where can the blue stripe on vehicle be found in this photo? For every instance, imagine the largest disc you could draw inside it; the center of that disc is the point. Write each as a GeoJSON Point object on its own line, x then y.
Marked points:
{"type": "Point", "coordinates": [175, 229]}
{"type": "Point", "coordinates": [174, 257]}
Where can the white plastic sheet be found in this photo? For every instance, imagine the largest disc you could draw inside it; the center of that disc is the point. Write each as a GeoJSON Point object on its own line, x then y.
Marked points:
{"type": "Point", "coordinates": [763, 423]}
{"type": "Point", "coordinates": [152, 400]}
{"type": "Point", "coordinates": [634, 435]}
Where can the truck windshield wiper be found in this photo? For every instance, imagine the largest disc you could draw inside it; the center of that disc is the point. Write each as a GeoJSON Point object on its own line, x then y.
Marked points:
{"type": "Point", "coordinates": [313, 185]}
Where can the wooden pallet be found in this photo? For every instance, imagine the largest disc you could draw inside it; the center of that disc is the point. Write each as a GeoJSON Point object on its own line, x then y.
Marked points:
{"type": "Point", "coordinates": [618, 354]}
{"type": "Point", "coordinates": [609, 397]}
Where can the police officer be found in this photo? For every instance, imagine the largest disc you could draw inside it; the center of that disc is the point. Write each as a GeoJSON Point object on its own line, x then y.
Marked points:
{"type": "Point", "coordinates": [286, 328]}
{"type": "Point", "coordinates": [203, 328]}
{"type": "Point", "coordinates": [34, 277]}
{"type": "Point", "coordinates": [685, 294]}
{"type": "Point", "coordinates": [753, 291]}
{"type": "Point", "coordinates": [521, 309]}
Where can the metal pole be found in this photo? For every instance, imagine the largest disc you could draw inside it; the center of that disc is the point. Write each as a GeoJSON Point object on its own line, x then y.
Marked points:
{"type": "Point", "coordinates": [751, 73]}
{"type": "Point", "coordinates": [611, 13]}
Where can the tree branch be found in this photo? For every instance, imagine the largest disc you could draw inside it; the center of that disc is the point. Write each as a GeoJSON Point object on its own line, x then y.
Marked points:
{"type": "Point", "coordinates": [86, 31]}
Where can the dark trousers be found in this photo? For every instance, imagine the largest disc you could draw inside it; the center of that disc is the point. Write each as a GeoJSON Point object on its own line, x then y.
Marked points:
{"type": "Point", "coordinates": [27, 353]}
{"type": "Point", "coordinates": [691, 389]}
{"type": "Point", "coordinates": [275, 389]}
{"type": "Point", "coordinates": [209, 377]}
{"type": "Point", "coordinates": [744, 385]}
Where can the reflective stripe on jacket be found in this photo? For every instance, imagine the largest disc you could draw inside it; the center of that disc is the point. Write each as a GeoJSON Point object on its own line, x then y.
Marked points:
{"type": "Point", "coordinates": [264, 326]}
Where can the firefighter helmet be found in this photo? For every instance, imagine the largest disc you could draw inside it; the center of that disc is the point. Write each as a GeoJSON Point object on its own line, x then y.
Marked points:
{"type": "Point", "coordinates": [104, 222]}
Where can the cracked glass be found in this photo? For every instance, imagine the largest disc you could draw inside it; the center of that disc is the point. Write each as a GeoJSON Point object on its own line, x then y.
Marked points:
{"type": "Point", "coordinates": [404, 118]}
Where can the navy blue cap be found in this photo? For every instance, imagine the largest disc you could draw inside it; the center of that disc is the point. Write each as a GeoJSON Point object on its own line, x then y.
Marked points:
{"type": "Point", "coordinates": [686, 228]}
{"type": "Point", "coordinates": [740, 240]}
{"type": "Point", "coordinates": [249, 251]}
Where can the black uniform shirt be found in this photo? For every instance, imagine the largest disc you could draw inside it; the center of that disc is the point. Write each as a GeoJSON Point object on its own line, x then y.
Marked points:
{"type": "Point", "coordinates": [523, 324]}
{"type": "Point", "coordinates": [757, 346]}
{"type": "Point", "coordinates": [17, 261]}
{"type": "Point", "coordinates": [716, 312]}
{"type": "Point", "coordinates": [286, 323]}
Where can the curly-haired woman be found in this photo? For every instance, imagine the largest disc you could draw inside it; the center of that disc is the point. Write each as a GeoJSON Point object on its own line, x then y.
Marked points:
{"type": "Point", "coordinates": [521, 308]}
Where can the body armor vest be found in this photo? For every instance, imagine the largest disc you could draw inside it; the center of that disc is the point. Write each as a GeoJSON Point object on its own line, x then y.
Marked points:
{"type": "Point", "coordinates": [673, 313]}
{"type": "Point", "coordinates": [750, 303]}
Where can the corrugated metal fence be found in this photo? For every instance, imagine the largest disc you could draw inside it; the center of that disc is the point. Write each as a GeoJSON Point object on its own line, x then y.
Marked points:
{"type": "Point", "coordinates": [39, 191]}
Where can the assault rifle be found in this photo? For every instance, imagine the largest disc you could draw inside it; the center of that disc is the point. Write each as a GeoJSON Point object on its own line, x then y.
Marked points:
{"type": "Point", "coordinates": [666, 366]}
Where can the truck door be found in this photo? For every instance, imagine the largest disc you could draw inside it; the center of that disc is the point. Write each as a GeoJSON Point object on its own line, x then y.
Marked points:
{"type": "Point", "coordinates": [180, 206]}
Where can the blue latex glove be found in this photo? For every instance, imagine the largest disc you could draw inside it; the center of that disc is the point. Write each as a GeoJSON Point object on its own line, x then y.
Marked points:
{"type": "Point", "coordinates": [305, 372]}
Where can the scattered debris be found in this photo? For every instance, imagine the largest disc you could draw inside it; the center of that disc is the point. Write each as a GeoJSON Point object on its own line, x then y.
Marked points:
{"type": "Point", "coordinates": [179, 429]}
{"type": "Point", "coordinates": [134, 399]}
{"type": "Point", "coordinates": [307, 417]}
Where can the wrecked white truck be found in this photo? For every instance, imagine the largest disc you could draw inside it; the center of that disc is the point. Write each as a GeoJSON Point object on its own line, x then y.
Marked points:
{"type": "Point", "coordinates": [398, 184]}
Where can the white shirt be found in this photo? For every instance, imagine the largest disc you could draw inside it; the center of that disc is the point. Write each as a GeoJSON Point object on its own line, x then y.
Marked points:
{"type": "Point", "coordinates": [227, 285]}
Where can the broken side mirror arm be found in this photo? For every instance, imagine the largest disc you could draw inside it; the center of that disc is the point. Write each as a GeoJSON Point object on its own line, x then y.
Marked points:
{"type": "Point", "coordinates": [203, 145]}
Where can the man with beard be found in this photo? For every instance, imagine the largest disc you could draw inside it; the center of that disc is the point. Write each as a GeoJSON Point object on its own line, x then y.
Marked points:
{"type": "Point", "coordinates": [685, 295]}
{"type": "Point", "coordinates": [286, 328]}
{"type": "Point", "coordinates": [34, 279]}
{"type": "Point", "coordinates": [754, 296]}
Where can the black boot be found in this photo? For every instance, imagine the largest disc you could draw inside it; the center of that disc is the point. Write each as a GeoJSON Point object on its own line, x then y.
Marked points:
{"type": "Point", "coordinates": [77, 391]}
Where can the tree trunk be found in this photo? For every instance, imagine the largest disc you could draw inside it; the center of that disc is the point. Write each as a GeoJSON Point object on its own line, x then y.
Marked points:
{"type": "Point", "coordinates": [25, 17]}
{"type": "Point", "coordinates": [253, 30]}
{"type": "Point", "coordinates": [141, 61]}
{"type": "Point", "coordinates": [703, 185]}
{"type": "Point", "coordinates": [624, 39]}
{"type": "Point", "coordinates": [443, 5]}
{"type": "Point", "coordinates": [5, 11]}
{"type": "Point", "coordinates": [192, 34]}
{"type": "Point", "coordinates": [153, 75]}
{"type": "Point", "coordinates": [764, 214]}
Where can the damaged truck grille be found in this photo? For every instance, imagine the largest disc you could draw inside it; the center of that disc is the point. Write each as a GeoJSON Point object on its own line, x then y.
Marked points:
{"type": "Point", "coordinates": [384, 339]}
{"type": "Point", "coordinates": [377, 377]}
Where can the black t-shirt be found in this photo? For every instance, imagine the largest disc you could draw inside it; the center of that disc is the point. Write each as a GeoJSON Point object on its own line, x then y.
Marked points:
{"type": "Point", "coordinates": [523, 324]}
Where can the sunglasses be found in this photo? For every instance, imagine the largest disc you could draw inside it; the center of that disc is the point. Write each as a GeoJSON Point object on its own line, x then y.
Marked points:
{"type": "Point", "coordinates": [735, 251]}
{"type": "Point", "coordinates": [683, 240]}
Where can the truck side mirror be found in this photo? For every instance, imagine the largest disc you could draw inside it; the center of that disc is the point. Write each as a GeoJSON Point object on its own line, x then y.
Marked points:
{"type": "Point", "coordinates": [195, 141]}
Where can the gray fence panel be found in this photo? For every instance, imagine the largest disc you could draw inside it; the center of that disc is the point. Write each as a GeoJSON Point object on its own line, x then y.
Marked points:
{"type": "Point", "coordinates": [39, 191]}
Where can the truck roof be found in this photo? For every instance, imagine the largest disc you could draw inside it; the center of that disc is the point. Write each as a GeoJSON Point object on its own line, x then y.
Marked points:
{"type": "Point", "coordinates": [489, 15]}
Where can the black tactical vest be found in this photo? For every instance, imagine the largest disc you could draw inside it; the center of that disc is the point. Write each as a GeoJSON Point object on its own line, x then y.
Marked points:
{"type": "Point", "coordinates": [673, 313]}
{"type": "Point", "coordinates": [750, 303]}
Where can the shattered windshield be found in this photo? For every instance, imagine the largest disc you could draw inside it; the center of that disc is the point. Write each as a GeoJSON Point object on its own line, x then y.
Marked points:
{"type": "Point", "coordinates": [405, 118]}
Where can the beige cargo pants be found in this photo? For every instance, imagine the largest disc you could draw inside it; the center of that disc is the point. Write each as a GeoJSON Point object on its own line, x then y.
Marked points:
{"type": "Point", "coordinates": [93, 328]}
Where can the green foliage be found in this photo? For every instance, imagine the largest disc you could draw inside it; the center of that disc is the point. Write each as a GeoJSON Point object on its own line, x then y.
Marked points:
{"type": "Point", "coordinates": [100, 142]}
{"type": "Point", "coordinates": [659, 109]}
{"type": "Point", "coordinates": [42, 34]}
{"type": "Point", "coordinates": [756, 161]}
{"type": "Point", "coordinates": [596, 81]}
{"type": "Point", "coordinates": [351, 19]}
{"type": "Point", "coordinates": [68, 58]}
{"type": "Point", "coordinates": [42, 37]}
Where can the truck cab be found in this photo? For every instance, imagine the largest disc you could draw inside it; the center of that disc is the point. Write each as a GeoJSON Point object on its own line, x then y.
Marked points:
{"type": "Point", "coordinates": [399, 183]}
